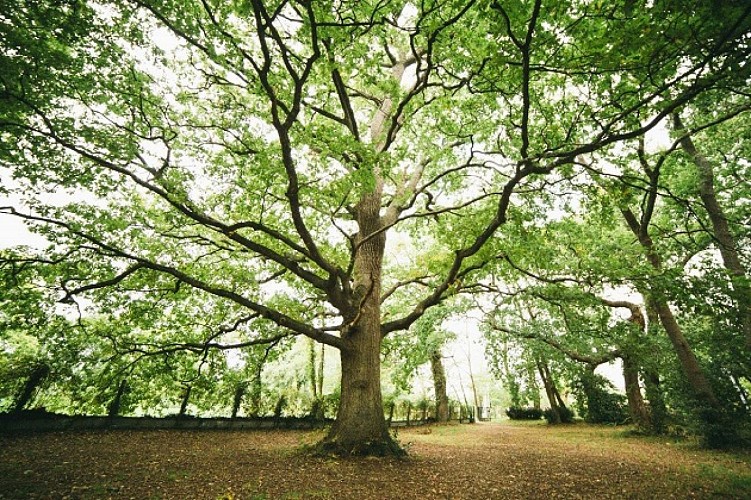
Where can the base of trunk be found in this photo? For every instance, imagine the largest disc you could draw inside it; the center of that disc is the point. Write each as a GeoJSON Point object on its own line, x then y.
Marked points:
{"type": "Point", "coordinates": [385, 446]}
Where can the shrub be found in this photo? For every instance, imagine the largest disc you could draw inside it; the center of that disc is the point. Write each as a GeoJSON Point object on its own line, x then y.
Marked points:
{"type": "Point", "coordinates": [521, 413]}
{"type": "Point", "coordinates": [566, 415]}
{"type": "Point", "coordinates": [607, 408]}
{"type": "Point", "coordinates": [597, 402]}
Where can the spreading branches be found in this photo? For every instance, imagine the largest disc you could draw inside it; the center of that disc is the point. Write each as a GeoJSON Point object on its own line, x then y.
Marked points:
{"type": "Point", "coordinates": [590, 360]}
{"type": "Point", "coordinates": [281, 319]}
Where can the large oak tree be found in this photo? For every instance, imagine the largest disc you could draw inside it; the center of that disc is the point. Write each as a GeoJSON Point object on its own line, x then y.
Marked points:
{"type": "Point", "coordinates": [258, 153]}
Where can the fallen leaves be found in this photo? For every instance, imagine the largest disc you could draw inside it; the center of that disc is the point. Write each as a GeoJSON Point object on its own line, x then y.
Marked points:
{"type": "Point", "coordinates": [469, 461]}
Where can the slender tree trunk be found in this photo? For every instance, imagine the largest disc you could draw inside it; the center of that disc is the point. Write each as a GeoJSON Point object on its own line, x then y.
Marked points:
{"type": "Point", "coordinates": [691, 369]}
{"type": "Point", "coordinates": [439, 383]}
{"type": "Point", "coordinates": [186, 398]}
{"type": "Point", "coordinates": [278, 410]}
{"type": "Point", "coordinates": [693, 372]}
{"type": "Point", "coordinates": [658, 411]}
{"type": "Point", "coordinates": [35, 379]}
{"type": "Point", "coordinates": [256, 390]}
{"type": "Point", "coordinates": [717, 427]}
{"type": "Point", "coordinates": [512, 385]}
{"type": "Point", "coordinates": [652, 384]}
{"type": "Point", "coordinates": [550, 392]}
{"type": "Point", "coordinates": [636, 407]}
{"type": "Point", "coordinates": [316, 383]}
{"type": "Point", "coordinates": [238, 398]}
{"type": "Point", "coordinates": [721, 230]}
{"type": "Point", "coordinates": [474, 386]}
{"type": "Point", "coordinates": [312, 368]}
{"type": "Point", "coordinates": [360, 427]}
{"type": "Point", "coordinates": [115, 406]}
{"type": "Point", "coordinates": [321, 366]}
{"type": "Point", "coordinates": [532, 387]}
{"type": "Point", "coordinates": [556, 393]}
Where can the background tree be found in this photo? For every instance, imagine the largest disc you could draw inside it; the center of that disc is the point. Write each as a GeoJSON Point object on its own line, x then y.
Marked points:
{"type": "Point", "coordinates": [425, 345]}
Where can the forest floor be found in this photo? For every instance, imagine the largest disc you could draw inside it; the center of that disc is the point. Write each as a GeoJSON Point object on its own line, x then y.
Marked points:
{"type": "Point", "coordinates": [481, 461]}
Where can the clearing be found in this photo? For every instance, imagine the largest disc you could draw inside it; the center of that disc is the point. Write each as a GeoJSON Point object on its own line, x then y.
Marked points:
{"type": "Point", "coordinates": [489, 460]}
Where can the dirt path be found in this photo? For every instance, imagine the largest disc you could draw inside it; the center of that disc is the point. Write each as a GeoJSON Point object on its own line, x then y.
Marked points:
{"type": "Point", "coordinates": [479, 461]}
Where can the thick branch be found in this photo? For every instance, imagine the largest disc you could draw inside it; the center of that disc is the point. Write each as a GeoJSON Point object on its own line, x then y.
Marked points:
{"type": "Point", "coordinates": [277, 317]}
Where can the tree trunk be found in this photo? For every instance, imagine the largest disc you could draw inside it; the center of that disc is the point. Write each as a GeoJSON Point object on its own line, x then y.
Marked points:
{"type": "Point", "coordinates": [658, 410]}
{"type": "Point", "coordinates": [693, 372]}
{"type": "Point", "coordinates": [721, 230]}
{"type": "Point", "coordinates": [476, 411]}
{"type": "Point", "coordinates": [550, 391]}
{"type": "Point", "coordinates": [532, 387]}
{"type": "Point", "coordinates": [556, 393]}
{"type": "Point", "coordinates": [652, 384]}
{"type": "Point", "coordinates": [360, 427]}
{"type": "Point", "coordinates": [312, 368]}
{"type": "Point", "coordinates": [256, 390]}
{"type": "Point", "coordinates": [115, 406]}
{"type": "Point", "coordinates": [184, 404]}
{"type": "Point", "coordinates": [35, 379]}
{"type": "Point", "coordinates": [238, 398]}
{"type": "Point", "coordinates": [512, 385]}
{"type": "Point", "coordinates": [591, 394]}
{"type": "Point", "coordinates": [636, 407]}
{"type": "Point", "coordinates": [439, 382]}
{"type": "Point", "coordinates": [321, 366]}
{"type": "Point", "coordinates": [718, 430]}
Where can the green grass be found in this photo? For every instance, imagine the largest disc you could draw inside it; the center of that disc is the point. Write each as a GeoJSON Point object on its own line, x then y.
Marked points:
{"type": "Point", "coordinates": [729, 482]}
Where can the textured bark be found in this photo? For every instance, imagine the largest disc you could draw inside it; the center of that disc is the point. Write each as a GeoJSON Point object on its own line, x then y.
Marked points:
{"type": "Point", "coordinates": [693, 372]}
{"type": "Point", "coordinates": [550, 391]}
{"type": "Point", "coordinates": [360, 427]}
{"type": "Point", "coordinates": [726, 242]}
{"type": "Point", "coordinates": [636, 407]}
{"type": "Point", "coordinates": [439, 383]}
{"type": "Point", "coordinates": [690, 365]}
{"type": "Point", "coordinates": [556, 393]}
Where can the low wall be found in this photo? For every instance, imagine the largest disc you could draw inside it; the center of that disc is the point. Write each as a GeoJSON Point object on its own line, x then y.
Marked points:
{"type": "Point", "coordinates": [33, 421]}
{"type": "Point", "coordinates": [12, 423]}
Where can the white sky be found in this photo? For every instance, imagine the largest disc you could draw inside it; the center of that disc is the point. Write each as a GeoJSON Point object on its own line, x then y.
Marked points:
{"type": "Point", "coordinates": [13, 232]}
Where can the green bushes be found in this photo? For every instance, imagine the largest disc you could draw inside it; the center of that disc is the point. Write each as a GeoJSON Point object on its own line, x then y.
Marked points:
{"type": "Point", "coordinates": [524, 413]}
{"type": "Point", "coordinates": [565, 416]}
{"type": "Point", "coordinates": [597, 402]}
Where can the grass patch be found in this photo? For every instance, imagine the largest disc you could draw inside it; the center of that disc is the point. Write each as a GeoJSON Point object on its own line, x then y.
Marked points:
{"type": "Point", "coordinates": [727, 481]}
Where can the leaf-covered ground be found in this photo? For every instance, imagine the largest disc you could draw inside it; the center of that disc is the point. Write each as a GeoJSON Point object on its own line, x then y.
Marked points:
{"type": "Point", "coordinates": [493, 461]}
